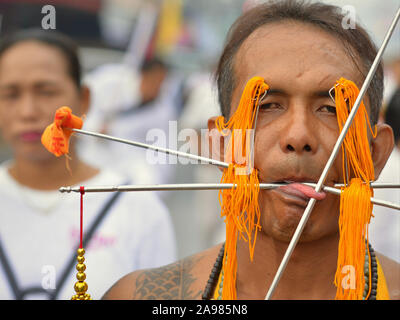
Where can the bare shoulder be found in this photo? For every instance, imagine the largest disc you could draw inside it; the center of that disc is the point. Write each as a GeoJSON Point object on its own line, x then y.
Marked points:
{"type": "Point", "coordinates": [391, 270]}
{"type": "Point", "coordinates": [181, 280]}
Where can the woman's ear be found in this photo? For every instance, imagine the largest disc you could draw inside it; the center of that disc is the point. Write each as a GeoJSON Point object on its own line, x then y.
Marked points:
{"type": "Point", "coordinates": [215, 141]}
{"type": "Point", "coordinates": [382, 147]}
{"type": "Point", "coordinates": [85, 99]}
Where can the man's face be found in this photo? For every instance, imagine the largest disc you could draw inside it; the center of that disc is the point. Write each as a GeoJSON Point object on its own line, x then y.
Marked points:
{"type": "Point", "coordinates": [34, 83]}
{"type": "Point", "coordinates": [297, 126]}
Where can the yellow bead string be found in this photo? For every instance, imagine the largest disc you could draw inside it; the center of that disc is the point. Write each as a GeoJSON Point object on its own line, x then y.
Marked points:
{"type": "Point", "coordinates": [81, 286]}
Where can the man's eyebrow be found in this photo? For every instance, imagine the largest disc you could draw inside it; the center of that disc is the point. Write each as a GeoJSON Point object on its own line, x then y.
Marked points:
{"type": "Point", "coordinates": [323, 93]}
{"type": "Point", "coordinates": [272, 91]}
{"type": "Point", "coordinates": [276, 91]}
{"type": "Point", "coordinates": [319, 93]}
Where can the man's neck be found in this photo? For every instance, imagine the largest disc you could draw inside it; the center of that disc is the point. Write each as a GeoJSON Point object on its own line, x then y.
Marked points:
{"type": "Point", "coordinates": [309, 273]}
{"type": "Point", "coordinates": [50, 174]}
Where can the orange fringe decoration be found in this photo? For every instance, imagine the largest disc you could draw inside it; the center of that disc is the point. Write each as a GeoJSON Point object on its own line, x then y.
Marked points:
{"type": "Point", "coordinates": [355, 204]}
{"type": "Point", "coordinates": [56, 136]}
{"type": "Point", "coordinates": [240, 205]}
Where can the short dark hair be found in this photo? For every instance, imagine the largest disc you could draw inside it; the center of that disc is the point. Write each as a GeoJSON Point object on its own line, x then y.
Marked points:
{"type": "Point", "coordinates": [326, 17]}
{"type": "Point", "coordinates": [53, 38]}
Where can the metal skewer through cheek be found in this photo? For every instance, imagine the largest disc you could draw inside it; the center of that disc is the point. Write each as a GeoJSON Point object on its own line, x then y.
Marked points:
{"type": "Point", "coordinates": [210, 186]}
{"type": "Point", "coordinates": [166, 150]}
{"type": "Point", "coordinates": [331, 159]}
{"type": "Point", "coordinates": [152, 147]}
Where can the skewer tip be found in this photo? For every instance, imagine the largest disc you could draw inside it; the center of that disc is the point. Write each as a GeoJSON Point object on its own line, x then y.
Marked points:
{"type": "Point", "coordinates": [64, 189]}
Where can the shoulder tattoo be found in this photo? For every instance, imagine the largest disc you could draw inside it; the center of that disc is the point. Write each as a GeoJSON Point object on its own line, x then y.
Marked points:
{"type": "Point", "coordinates": [171, 282]}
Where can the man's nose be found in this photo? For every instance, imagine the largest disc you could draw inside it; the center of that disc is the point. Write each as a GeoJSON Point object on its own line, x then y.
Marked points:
{"type": "Point", "coordinates": [298, 134]}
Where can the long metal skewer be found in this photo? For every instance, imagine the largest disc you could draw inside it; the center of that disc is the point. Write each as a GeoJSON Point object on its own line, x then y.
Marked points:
{"type": "Point", "coordinates": [376, 185]}
{"type": "Point", "coordinates": [207, 186]}
{"type": "Point", "coordinates": [155, 148]}
{"type": "Point", "coordinates": [332, 158]}
{"type": "Point", "coordinates": [166, 150]}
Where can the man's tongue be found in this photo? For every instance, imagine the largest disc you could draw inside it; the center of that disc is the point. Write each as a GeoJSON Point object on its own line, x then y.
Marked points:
{"type": "Point", "coordinates": [304, 190]}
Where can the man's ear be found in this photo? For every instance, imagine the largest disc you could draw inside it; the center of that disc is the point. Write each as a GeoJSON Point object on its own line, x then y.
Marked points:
{"type": "Point", "coordinates": [215, 141]}
{"type": "Point", "coordinates": [382, 147]}
{"type": "Point", "coordinates": [85, 99]}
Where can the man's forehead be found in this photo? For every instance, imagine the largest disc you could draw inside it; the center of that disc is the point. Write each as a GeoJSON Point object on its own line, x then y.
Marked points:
{"type": "Point", "coordinates": [293, 51]}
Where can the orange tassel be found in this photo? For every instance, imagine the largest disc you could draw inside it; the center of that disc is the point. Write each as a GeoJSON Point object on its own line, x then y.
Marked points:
{"type": "Point", "coordinates": [240, 205]}
{"type": "Point", "coordinates": [56, 136]}
{"type": "Point", "coordinates": [355, 215]}
{"type": "Point", "coordinates": [355, 204]}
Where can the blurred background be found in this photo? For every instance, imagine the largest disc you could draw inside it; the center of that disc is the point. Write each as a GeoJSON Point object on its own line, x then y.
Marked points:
{"type": "Point", "coordinates": [174, 45]}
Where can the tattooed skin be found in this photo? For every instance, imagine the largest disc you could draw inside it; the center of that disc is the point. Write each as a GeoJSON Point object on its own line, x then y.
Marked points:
{"type": "Point", "coordinates": [172, 282]}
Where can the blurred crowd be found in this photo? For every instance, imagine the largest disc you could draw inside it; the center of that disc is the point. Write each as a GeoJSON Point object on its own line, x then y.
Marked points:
{"type": "Point", "coordinates": [149, 68]}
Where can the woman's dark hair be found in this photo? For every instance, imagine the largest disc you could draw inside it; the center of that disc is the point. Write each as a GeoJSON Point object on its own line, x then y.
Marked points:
{"type": "Point", "coordinates": [50, 37]}
{"type": "Point", "coordinates": [356, 42]}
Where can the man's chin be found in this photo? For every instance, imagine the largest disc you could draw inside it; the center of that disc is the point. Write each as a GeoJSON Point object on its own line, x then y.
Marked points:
{"type": "Point", "coordinates": [286, 236]}
{"type": "Point", "coordinates": [282, 228]}
{"type": "Point", "coordinates": [282, 216]}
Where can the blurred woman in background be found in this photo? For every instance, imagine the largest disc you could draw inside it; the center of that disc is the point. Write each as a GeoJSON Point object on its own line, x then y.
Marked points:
{"type": "Point", "coordinates": [39, 226]}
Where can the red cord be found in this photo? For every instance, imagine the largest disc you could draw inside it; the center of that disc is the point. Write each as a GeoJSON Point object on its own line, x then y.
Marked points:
{"type": "Point", "coordinates": [82, 191]}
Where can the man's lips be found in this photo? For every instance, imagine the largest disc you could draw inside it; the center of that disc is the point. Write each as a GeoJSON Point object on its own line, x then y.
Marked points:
{"type": "Point", "coordinates": [302, 191]}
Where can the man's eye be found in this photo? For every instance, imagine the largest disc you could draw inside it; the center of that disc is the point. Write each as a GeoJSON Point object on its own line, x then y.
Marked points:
{"type": "Point", "coordinates": [329, 109]}
{"type": "Point", "coordinates": [270, 106]}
